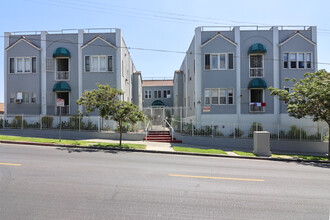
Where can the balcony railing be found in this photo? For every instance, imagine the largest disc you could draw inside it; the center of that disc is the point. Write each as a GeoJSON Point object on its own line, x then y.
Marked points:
{"type": "Point", "coordinates": [257, 107]}
{"type": "Point", "coordinates": [65, 110]}
{"type": "Point", "coordinates": [62, 75]}
{"type": "Point", "coordinates": [256, 72]}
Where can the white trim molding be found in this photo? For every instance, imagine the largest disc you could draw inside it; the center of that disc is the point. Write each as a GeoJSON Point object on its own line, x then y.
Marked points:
{"type": "Point", "coordinates": [217, 35]}
{"type": "Point", "coordinates": [100, 38]}
{"type": "Point", "coordinates": [297, 33]}
{"type": "Point", "coordinates": [22, 38]}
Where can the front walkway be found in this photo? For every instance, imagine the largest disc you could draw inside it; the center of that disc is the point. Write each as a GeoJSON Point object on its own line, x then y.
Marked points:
{"type": "Point", "coordinates": [156, 146]}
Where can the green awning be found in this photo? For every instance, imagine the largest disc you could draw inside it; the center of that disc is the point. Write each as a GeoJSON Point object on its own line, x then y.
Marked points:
{"type": "Point", "coordinates": [61, 52]}
{"type": "Point", "coordinates": [257, 48]}
{"type": "Point", "coordinates": [158, 103]}
{"type": "Point", "coordinates": [257, 83]}
{"type": "Point", "coordinates": [61, 86]}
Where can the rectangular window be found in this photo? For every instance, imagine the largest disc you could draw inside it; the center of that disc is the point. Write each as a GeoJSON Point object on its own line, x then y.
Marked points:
{"type": "Point", "coordinates": [100, 63]}
{"type": "Point", "coordinates": [168, 94]}
{"type": "Point", "coordinates": [207, 61]}
{"type": "Point", "coordinates": [256, 65]}
{"type": "Point", "coordinates": [33, 97]}
{"type": "Point", "coordinates": [257, 100]}
{"type": "Point", "coordinates": [155, 95]}
{"type": "Point", "coordinates": [308, 60]}
{"type": "Point", "coordinates": [215, 99]}
{"type": "Point", "coordinates": [11, 65]}
{"type": "Point", "coordinates": [223, 96]}
{"type": "Point", "coordinates": [103, 63]}
{"type": "Point", "coordinates": [165, 94]}
{"type": "Point", "coordinates": [215, 63]}
{"type": "Point", "coordinates": [207, 96]}
{"type": "Point", "coordinates": [230, 96]}
{"type": "Point", "coordinates": [159, 94]}
{"type": "Point", "coordinates": [301, 60]}
{"type": "Point", "coordinates": [147, 94]}
{"type": "Point", "coordinates": [12, 97]}
{"type": "Point", "coordinates": [87, 64]}
{"type": "Point", "coordinates": [230, 61]}
{"type": "Point", "coordinates": [222, 61]}
{"type": "Point", "coordinates": [19, 65]}
{"type": "Point", "coordinates": [26, 98]}
{"type": "Point", "coordinates": [285, 60]}
{"type": "Point", "coordinates": [27, 65]}
{"type": "Point", "coordinates": [293, 60]}
{"type": "Point", "coordinates": [95, 64]}
{"type": "Point", "coordinates": [110, 63]}
{"type": "Point", "coordinates": [34, 65]}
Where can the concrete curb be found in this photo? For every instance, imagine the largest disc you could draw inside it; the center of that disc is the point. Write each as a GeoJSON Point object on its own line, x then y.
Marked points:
{"type": "Point", "coordinates": [165, 152]}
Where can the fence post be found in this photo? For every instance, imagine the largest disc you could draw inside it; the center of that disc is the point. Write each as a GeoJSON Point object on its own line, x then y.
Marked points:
{"type": "Point", "coordinates": [192, 129]}
{"type": "Point", "coordinates": [234, 131]}
{"type": "Point", "coordinates": [278, 131]}
{"type": "Point", "coordinates": [181, 119]}
{"type": "Point", "coordinates": [22, 124]}
{"type": "Point", "coordinates": [300, 133]}
{"type": "Point", "coordinates": [98, 124]}
{"type": "Point", "coordinates": [212, 128]}
{"type": "Point", "coordinates": [40, 119]}
{"type": "Point", "coordinates": [79, 122]}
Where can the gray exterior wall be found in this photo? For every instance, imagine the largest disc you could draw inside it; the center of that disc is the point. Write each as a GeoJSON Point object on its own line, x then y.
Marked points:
{"type": "Point", "coordinates": [137, 89]}
{"type": "Point", "coordinates": [178, 89]}
{"type": "Point", "coordinates": [148, 102]}
{"type": "Point", "coordinates": [218, 78]}
{"type": "Point", "coordinates": [237, 40]}
{"type": "Point", "coordinates": [121, 76]}
{"type": "Point", "coordinates": [27, 82]}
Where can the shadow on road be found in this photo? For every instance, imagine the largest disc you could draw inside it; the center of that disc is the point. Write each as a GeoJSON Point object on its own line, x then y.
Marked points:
{"type": "Point", "coordinates": [80, 150]}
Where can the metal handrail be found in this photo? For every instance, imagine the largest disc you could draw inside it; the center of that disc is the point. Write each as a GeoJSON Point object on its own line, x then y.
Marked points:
{"type": "Point", "coordinates": [146, 131]}
{"type": "Point", "coordinates": [172, 129]}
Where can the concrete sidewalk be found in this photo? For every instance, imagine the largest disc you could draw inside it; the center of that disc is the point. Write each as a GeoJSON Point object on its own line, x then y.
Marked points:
{"type": "Point", "coordinates": [156, 146]}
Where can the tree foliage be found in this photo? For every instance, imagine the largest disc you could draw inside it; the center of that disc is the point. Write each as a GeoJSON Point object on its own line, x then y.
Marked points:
{"type": "Point", "coordinates": [310, 96]}
{"type": "Point", "coordinates": [107, 101]}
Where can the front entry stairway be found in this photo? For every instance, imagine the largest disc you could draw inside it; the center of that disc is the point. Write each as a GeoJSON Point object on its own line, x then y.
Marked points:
{"type": "Point", "coordinates": [160, 134]}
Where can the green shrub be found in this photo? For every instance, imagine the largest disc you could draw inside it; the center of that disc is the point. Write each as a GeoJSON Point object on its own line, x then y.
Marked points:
{"type": "Point", "coordinates": [47, 121]}
{"type": "Point", "coordinates": [255, 127]}
{"type": "Point", "coordinates": [238, 133]}
{"type": "Point", "coordinates": [17, 122]}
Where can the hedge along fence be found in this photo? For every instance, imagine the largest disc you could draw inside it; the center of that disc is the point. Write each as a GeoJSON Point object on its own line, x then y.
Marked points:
{"type": "Point", "coordinates": [308, 133]}
{"type": "Point", "coordinates": [73, 122]}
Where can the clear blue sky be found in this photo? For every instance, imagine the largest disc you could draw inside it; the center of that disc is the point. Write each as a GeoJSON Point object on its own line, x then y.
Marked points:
{"type": "Point", "coordinates": [165, 25]}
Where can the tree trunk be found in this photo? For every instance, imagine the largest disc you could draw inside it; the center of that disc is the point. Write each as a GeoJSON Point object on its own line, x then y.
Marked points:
{"type": "Point", "coordinates": [120, 132]}
{"type": "Point", "coordinates": [328, 141]}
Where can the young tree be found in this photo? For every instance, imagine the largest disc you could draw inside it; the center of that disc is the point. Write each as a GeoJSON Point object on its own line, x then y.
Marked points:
{"type": "Point", "coordinates": [310, 97]}
{"type": "Point", "coordinates": [106, 100]}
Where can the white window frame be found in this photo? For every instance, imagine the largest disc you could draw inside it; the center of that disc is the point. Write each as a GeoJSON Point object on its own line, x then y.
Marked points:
{"type": "Point", "coordinates": [262, 62]}
{"type": "Point", "coordinates": [23, 65]}
{"type": "Point", "coordinates": [98, 64]}
{"type": "Point", "coordinates": [33, 97]}
{"type": "Point", "coordinates": [263, 99]}
{"type": "Point", "coordinates": [218, 61]}
{"type": "Point", "coordinates": [230, 96]}
{"type": "Point", "coordinates": [147, 94]}
{"type": "Point", "coordinates": [209, 96]}
{"type": "Point", "coordinates": [157, 92]}
{"type": "Point", "coordinates": [55, 66]}
{"type": "Point", "coordinates": [219, 96]}
{"type": "Point", "coordinates": [297, 60]}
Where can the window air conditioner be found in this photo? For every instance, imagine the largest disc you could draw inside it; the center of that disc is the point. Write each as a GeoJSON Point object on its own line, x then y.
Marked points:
{"type": "Point", "coordinates": [19, 101]}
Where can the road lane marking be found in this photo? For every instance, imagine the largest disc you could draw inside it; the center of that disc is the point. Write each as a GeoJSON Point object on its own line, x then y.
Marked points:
{"type": "Point", "coordinates": [11, 164]}
{"type": "Point", "coordinates": [219, 178]}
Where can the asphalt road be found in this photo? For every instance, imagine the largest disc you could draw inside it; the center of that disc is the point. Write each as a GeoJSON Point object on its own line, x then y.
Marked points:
{"type": "Point", "coordinates": [57, 183]}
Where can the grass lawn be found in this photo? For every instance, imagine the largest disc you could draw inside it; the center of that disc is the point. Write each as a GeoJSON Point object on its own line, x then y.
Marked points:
{"type": "Point", "coordinates": [199, 150]}
{"type": "Point", "coordinates": [242, 153]}
{"type": "Point", "coordinates": [71, 142]}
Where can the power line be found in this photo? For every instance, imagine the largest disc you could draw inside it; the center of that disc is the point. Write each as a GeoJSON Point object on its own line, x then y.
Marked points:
{"type": "Point", "coordinates": [152, 49]}
{"type": "Point", "coordinates": [169, 16]}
